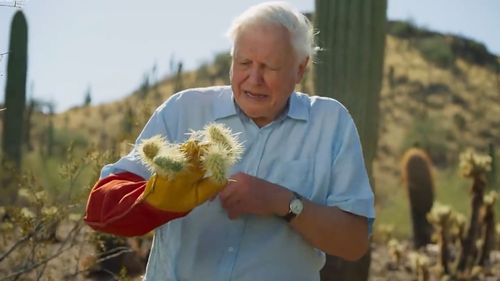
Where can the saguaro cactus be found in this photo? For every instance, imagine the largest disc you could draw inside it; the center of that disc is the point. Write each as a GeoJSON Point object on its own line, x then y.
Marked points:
{"type": "Point", "coordinates": [417, 176]}
{"type": "Point", "coordinates": [15, 90]}
{"type": "Point", "coordinates": [349, 69]}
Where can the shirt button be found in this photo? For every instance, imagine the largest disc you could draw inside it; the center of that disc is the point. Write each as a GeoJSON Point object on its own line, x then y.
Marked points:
{"type": "Point", "coordinates": [230, 249]}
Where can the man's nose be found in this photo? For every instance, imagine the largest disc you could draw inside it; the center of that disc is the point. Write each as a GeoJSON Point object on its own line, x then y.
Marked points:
{"type": "Point", "coordinates": [255, 75]}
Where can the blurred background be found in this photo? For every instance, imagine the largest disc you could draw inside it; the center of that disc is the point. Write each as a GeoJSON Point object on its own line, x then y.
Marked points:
{"type": "Point", "coordinates": [109, 46]}
{"type": "Point", "coordinates": [94, 71]}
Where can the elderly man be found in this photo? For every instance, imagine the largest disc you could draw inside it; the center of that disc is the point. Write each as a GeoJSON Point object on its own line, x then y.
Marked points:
{"type": "Point", "coordinates": [299, 190]}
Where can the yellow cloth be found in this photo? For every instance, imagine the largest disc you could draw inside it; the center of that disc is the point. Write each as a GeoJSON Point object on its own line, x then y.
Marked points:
{"type": "Point", "coordinates": [187, 189]}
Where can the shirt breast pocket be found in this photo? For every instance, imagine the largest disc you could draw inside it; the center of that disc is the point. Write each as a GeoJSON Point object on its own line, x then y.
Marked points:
{"type": "Point", "coordinates": [295, 175]}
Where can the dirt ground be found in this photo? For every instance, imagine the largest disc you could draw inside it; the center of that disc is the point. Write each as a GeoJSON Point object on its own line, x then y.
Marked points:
{"type": "Point", "coordinates": [389, 263]}
{"type": "Point", "coordinates": [397, 265]}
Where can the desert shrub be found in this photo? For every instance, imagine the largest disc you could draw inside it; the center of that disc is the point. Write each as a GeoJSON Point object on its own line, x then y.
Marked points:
{"type": "Point", "coordinates": [459, 121]}
{"type": "Point", "coordinates": [429, 134]}
{"type": "Point", "coordinates": [436, 50]}
{"type": "Point", "coordinates": [405, 30]}
{"type": "Point", "coordinates": [472, 51]}
{"type": "Point", "coordinates": [43, 236]}
{"type": "Point", "coordinates": [222, 64]}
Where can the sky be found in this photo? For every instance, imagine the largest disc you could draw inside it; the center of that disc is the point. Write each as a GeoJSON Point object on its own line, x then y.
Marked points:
{"type": "Point", "coordinates": [108, 46]}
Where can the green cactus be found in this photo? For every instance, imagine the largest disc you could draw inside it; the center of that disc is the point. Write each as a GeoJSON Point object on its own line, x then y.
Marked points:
{"type": "Point", "coordinates": [473, 166]}
{"type": "Point", "coordinates": [128, 121]}
{"type": "Point", "coordinates": [488, 224]}
{"type": "Point", "coordinates": [50, 130]}
{"type": "Point", "coordinates": [222, 151]}
{"type": "Point", "coordinates": [442, 218]}
{"type": "Point", "coordinates": [417, 175]}
{"type": "Point", "coordinates": [161, 157]}
{"type": "Point", "coordinates": [350, 69]}
{"type": "Point", "coordinates": [492, 175]}
{"type": "Point", "coordinates": [15, 90]}
{"type": "Point", "coordinates": [352, 34]}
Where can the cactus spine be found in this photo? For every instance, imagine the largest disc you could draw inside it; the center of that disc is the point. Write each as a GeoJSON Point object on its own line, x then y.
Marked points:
{"type": "Point", "coordinates": [352, 34]}
{"type": "Point", "coordinates": [15, 90]}
{"type": "Point", "coordinates": [417, 176]}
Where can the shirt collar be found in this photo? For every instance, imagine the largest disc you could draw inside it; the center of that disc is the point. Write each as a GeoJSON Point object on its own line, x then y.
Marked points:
{"type": "Point", "coordinates": [297, 107]}
{"type": "Point", "coordinates": [226, 106]}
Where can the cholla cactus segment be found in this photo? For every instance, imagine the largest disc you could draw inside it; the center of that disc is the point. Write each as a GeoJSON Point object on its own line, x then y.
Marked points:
{"type": "Point", "coordinates": [50, 211]}
{"type": "Point", "coordinates": [473, 165]}
{"type": "Point", "coordinates": [32, 196]}
{"type": "Point", "coordinates": [490, 198]}
{"type": "Point", "coordinates": [217, 162]}
{"type": "Point", "coordinates": [149, 148]}
{"type": "Point", "coordinates": [440, 215]}
{"type": "Point", "coordinates": [458, 225]}
{"type": "Point", "coordinates": [216, 133]}
{"type": "Point", "coordinates": [169, 162]}
{"type": "Point", "coordinates": [396, 250]}
{"type": "Point", "coordinates": [161, 157]}
{"type": "Point", "coordinates": [418, 260]}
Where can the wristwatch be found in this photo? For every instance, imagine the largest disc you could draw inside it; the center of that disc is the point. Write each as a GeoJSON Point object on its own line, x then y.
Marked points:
{"type": "Point", "coordinates": [294, 208]}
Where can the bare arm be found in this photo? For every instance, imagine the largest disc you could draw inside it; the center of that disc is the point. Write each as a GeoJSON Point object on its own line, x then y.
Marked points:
{"type": "Point", "coordinates": [329, 229]}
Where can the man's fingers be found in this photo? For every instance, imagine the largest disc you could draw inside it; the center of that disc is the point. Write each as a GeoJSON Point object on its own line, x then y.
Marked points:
{"type": "Point", "coordinates": [233, 214]}
{"type": "Point", "coordinates": [230, 202]}
{"type": "Point", "coordinates": [228, 190]}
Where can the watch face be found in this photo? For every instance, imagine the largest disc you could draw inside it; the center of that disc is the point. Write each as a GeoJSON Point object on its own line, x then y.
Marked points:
{"type": "Point", "coordinates": [296, 206]}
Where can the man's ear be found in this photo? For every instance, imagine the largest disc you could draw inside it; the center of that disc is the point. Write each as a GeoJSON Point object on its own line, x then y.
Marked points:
{"type": "Point", "coordinates": [302, 69]}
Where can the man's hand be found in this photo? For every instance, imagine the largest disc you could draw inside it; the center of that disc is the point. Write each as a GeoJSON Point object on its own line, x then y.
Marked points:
{"type": "Point", "coordinates": [245, 194]}
{"type": "Point", "coordinates": [327, 228]}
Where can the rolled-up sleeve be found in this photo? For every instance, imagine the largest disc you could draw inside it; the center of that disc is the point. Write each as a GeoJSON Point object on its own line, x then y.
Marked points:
{"type": "Point", "coordinates": [350, 186]}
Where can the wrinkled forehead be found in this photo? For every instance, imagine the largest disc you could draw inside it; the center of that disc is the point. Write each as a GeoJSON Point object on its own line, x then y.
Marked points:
{"type": "Point", "coordinates": [265, 35]}
{"type": "Point", "coordinates": [267, 25]}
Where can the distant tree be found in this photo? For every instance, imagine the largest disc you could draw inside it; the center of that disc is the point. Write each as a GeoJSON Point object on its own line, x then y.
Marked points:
{"type": "Point", "coordinates": [88, 97]}
{"type": "Point", "coordinates": [128, 122]}
{"type": "Point", "coordinates": [222, 63]}
{"type": "Point", "coordinates": [145, 85]}
{"type": "Point", "coordinates": [32, 107]}
{"type": "Point", "coordinates": [178, 78]}
{"type": "Point", "coordinates": [50, 129]}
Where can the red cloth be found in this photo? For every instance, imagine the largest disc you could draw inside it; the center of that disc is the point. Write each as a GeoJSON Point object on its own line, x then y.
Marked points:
{"type": "Point", "coordinates": [115, 206]}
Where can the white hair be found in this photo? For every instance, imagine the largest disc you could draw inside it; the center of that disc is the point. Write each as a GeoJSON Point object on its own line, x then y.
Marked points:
{"type": "Point", "coordinates": [279, 12]}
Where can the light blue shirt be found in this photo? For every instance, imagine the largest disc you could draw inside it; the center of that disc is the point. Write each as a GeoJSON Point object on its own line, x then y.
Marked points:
{"type": "Point", "coordinates": [313, 149]}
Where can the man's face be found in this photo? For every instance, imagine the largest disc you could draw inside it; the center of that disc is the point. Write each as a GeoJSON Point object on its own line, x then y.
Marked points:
{"type": "Point", "coordinates": [264, 72]}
